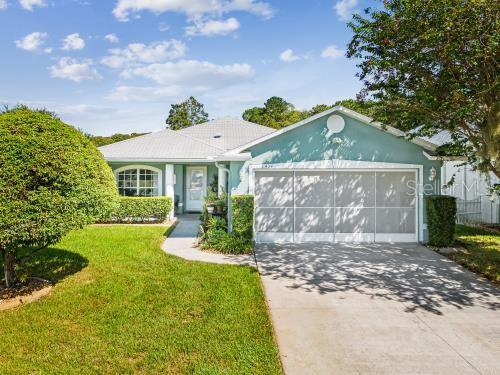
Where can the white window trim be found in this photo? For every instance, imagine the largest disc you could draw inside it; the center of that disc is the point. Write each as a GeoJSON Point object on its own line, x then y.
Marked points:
{"type": "Point", "coordinates": [349, 165]}
{"type": "Point", "coordinates": [139, 166]}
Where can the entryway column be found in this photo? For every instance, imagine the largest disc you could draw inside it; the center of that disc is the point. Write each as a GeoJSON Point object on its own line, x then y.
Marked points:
{"type": "Point", "coordinates": [222, 179]}
{"type": "Point", "coordinates": [169, 186]}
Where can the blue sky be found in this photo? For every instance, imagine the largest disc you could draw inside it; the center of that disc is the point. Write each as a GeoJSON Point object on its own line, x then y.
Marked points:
{"type": "Point", "coordinates": [109, 66]}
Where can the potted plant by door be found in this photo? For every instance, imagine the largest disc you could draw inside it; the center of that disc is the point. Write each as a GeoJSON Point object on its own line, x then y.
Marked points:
{"type": "Point", "coordinates": [220, 204]}
{"type": "Point", "coordinates": [210, 200]}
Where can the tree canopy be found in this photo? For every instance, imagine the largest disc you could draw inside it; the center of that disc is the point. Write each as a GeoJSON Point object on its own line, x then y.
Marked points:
{"type": "Point", "coordinates": [434, 67]}
{"type": "Point", "coordinates": [187, 113]}
{"type": "Point", "coordinates": [278, 113]}
{"type": "Point", "coordinates": [99, 140]}
{"type": "Point", "coordinates": [52, 180]}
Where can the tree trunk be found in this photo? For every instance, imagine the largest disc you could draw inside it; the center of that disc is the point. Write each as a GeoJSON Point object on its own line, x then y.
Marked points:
{"type": "Point", "coordinates": [8, 268]}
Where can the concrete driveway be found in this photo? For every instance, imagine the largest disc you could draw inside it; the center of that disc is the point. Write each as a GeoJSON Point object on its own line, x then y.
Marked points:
{"type": "Point", "coordinates": [367, 309]}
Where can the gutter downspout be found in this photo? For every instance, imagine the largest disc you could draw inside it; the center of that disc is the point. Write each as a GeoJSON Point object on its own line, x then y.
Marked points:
{"type": "Point", "coordinates": [222, 185]}
{"type": "Point", "coordinates": [222, 179]}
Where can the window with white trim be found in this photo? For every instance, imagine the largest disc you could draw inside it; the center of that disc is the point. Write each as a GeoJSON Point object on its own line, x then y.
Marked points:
{"type": "Point", "coordinates": [138, 182]}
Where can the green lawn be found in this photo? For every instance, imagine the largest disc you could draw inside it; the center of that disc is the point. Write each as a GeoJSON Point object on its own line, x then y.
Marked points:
{"type": "Point", "coordinates": [121, 305]}
{"type": "Point", "coordinates": [481, 251]}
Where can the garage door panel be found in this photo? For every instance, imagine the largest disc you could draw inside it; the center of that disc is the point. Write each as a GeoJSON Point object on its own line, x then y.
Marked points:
{"type": "Point", "coordinates": [313, 189]}
{"type": "Point", "coordinates": [274, 220]}
{"type": "Point", "coordinates": [354, 189]}
{"type": "Point", "coordinates": [314, 220]}
{"type": "Point", "coordinates": [274, 190]}
{"type": "Point", "coordinates": [396, 220]}
{"type": "Point", "coordinates": [354, 220]}
{"type": "Point", "coordinates": [340, 206]}
{"type": "Point", "coordinates": [396, 189]}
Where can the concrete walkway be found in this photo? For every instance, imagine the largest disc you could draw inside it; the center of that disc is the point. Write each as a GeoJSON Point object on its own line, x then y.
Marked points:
{"type": "Point", "coordinates": [182, 240]}
{"type": "Point", "coordinates": [378, 309]}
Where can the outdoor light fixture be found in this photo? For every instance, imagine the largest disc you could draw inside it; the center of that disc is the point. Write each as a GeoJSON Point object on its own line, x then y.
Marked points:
{"type": "Point", "coordinates": [432, 174]}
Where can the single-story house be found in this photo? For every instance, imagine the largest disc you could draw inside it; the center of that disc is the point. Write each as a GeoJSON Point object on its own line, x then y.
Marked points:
{"type": "Point", "coordinates": [336, 176]}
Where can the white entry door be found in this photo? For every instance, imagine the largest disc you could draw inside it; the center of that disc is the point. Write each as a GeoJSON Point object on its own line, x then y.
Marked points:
{"type": "Point", "coordinates": [196, 188]}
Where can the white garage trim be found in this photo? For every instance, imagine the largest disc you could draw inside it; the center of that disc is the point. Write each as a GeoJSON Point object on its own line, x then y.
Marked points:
{"type": "Point", "coordinates": [343, 165]}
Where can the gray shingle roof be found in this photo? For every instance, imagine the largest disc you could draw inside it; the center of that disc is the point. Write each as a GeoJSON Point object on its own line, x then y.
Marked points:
{"type": "Point", "coordinates": [197, 142]}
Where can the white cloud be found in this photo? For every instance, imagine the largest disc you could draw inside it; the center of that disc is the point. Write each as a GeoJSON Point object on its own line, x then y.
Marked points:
{"type": "Point", "coordinates": [79, 109]}
{"type": "Point", "coordinates": [345, 9]}
{"type": "Point", "coordinates": [30, 4]}
{"type": "Point", "coordinates": [112, 38]}
{"type": "Point", "coordinates": [288, 56]}
{"type": "Point", "coordinates": [140, 53]}
{"type": "Point", "coordinates": [332, 52]}
{"type": "Point", "coordinates": [197, 75]}
{"type": "Point", "coordinates": [192, 8]}
{"type": "Point", "coordinates": [163, 27]}
{"type": "Point", "coordinates": [3, 4]}
{"type": "Point", "coordinates": [145, 93]}
{"type": "Point", "coordinates": [73, 42]}
{"type": "Point", "coordinates": [74, 70]}
{"type": "Point", "coordinates": [213, 27]}
{"type": "Point", "coordinates": [33, 42]}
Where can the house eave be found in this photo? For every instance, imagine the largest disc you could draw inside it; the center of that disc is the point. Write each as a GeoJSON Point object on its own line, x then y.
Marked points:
{"type": "Point", "coordinates": [244, 156]}
{"type": "Point", "coordinates": [237, 157]}
{"type": "Point", "coordinates": [159, 160]}
{"type": "Point", "coordinates": [443, 157]}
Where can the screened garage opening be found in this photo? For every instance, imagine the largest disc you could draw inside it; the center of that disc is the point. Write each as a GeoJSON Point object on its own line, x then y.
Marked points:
{"type": "Point", "coordinates": [335, 206]}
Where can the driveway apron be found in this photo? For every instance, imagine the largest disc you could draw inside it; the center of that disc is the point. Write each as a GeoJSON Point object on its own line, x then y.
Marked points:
{"type": "Point", "coordinates": [378, 309]}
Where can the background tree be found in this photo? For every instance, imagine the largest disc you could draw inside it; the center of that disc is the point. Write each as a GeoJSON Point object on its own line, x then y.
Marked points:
{"type": "Point", "coordinates": [276, 113]}
{"type": "Point", "coordinates": [99, 140]}
{"type": "Point", "coordinates": [52, 179]}
{"type": "Point", "coordinates": [434, 66]}
{"type": "Point", "coordinates": [187, 113]}
{"type": "Point", "coordinates": [318, 108]}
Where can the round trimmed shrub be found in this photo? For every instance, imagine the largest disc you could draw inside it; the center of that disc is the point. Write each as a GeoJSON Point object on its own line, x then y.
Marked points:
{"type": "Point", "coordinates": [441, 214]}
{"type": "Point", "coordinates": [52, 180]}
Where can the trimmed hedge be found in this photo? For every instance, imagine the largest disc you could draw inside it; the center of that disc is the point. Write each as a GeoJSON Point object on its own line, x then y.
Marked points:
{"type": "Point", "coordinates": [242, 216]}
{"type": "Point", "coordinates": [141, 210]}
{"type": "Point", "coordinates": [441, 213]}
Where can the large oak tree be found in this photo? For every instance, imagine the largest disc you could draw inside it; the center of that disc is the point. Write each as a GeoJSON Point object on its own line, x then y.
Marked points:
{"type": "Point", "coordinates": [434, 66]}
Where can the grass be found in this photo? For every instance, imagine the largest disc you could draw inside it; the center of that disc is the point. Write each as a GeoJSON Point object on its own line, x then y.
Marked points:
{"type": "Point", "coordinates": [123, 306]}
{"type": "Point", "coordinates": [481, 251]}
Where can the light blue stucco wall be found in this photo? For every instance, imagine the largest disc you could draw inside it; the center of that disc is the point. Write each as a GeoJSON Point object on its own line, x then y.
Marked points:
{"type": "Point", "coordinates": [360, 142]}
{"type": "Point", "coordinates": [179, 171]}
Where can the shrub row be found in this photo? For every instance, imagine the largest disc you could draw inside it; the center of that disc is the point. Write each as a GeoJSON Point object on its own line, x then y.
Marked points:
{"type": "Point", "coordinates": [141, 210]}
{"type": "Point", "coordinates": [242, 209]}
{"type": "Point", "coordinates": [227, 243]}
{"type": "Point", "coordinates": [441, 213]}
{"type": "Point", "coordinates": [215, 236]}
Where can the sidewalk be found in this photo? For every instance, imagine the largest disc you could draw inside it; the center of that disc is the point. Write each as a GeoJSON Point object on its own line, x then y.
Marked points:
{"type": "Point", "coordinates": [181, 243]}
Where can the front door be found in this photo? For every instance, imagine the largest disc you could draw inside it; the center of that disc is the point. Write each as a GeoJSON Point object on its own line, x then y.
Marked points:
{"type": "Point", "coordinates": [196, 187]}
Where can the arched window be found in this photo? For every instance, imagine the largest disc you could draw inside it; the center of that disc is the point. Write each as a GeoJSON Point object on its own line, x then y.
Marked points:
{"type": "Point", "coordinates": [138, 181]}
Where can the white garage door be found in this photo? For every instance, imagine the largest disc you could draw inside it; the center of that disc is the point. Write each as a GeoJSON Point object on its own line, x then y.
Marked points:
{"type": "Point", "coordinates": [340, 205]}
